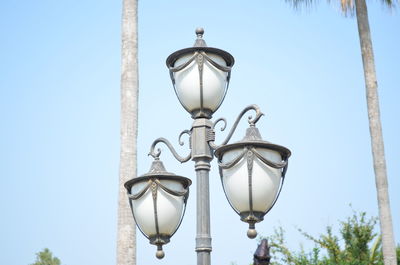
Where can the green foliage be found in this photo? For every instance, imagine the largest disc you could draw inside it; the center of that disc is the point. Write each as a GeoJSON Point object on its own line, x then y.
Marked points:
{"type": "Point", "coordinates": [398, 254]}
{"type": "Point", "coordinates": [45, 257]}
{"type": "Point", "coordinates": [356, 244]}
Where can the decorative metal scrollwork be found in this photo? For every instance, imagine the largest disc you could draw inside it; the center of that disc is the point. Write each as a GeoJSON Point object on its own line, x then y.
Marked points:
{"type": "Point", "coordinates": [253, 150]}
{"type": "Point", "coordinates": [199, 57]}
{"type": "Point", "coordinates": [250, 119]}
{"type": "Point", "coordinates": [156, 153]}
{"type": "Point", "coordinates": [154, 184]}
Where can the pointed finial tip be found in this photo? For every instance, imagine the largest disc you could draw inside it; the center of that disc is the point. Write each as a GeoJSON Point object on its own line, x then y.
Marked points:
{"type": "Point", "coordinates": [199, 32]}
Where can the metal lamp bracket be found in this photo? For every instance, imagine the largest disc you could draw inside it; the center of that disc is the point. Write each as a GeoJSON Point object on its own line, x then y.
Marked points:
{"type": "Point", "coordinates": [251, 121]}
{"type": "Point", "coordinates": [156, 153]}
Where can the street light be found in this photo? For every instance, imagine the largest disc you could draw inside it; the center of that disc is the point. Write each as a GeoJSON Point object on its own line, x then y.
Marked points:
{"type": "Point", "coordinates": [252, 174]}
{"type": "Point", "coordinates": [158, 202]}
{"type": "Point", "coordinates": [200, 76]}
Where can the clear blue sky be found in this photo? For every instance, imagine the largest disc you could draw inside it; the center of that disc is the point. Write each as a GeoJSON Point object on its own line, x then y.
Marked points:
{"type": "Point", "coordinates": [59, 107]}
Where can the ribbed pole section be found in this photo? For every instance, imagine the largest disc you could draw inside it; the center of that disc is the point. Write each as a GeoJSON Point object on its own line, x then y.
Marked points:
{"type": "Point", "coordinates": [202, 155]}
{"type": "Point", "coordinates": [203, 235]}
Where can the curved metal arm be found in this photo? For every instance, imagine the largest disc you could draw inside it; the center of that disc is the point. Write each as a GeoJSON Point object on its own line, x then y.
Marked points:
{"type": "Point", "coordinates": [156, 153]}
{"type": "Point", "coordinates": [181, 143]}
{"type": "Point", "coordinates": [250, 119]}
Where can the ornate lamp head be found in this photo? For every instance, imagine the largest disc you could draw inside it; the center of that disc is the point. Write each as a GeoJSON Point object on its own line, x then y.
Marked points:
{"type": "Point", "coordinates": [200, 76]}
{"type": "Point", "coordinates": [158, 201]}
{"type": "Point", "coordinates": [252, 173]}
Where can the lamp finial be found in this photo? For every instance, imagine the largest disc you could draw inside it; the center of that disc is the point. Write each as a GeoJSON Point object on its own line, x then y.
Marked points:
{"type": "Point", "coordinates": [199, 32]}
{"type": "Point", "coordinates": [200, 42]}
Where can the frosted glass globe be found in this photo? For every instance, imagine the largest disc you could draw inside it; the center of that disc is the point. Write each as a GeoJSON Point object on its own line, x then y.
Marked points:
{"type": "Point", "coordinates": [187, 84]}
{"type": "Point", "coordinates": [169, 208]}
{"type": "Point", "coordinates": [265, 181]}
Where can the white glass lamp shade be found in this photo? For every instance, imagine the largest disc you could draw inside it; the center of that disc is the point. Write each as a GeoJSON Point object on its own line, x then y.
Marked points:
{"type": "Point", "coordinates": [157, 212]}
{"type": "Point", "coordinates": [158, 202]}
{"type": "Point", "coordinates": [200, 86]}
{"type": "Point", "coordinates": [251, 189]}
{"type": "Point", "coordinates": [252, 173]}
{"type": "Point", "coordinates": [200, 75]}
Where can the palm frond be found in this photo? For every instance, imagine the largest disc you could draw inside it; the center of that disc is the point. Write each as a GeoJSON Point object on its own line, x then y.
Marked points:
{"type": "Point", "coordinates": [298, 4]}
{"type": "Point", "coordinates": [389, 3]}
{"type": "Point", "coordinates": [347, 7]}
{"type": "Point", "coordinates": [375, 250]}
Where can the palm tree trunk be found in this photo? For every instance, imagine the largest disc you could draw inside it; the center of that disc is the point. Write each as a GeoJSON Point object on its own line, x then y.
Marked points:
{"type": "Point", "coordinates": [388, 245]}
{"type": "Point", "coordinates": [126, 235]}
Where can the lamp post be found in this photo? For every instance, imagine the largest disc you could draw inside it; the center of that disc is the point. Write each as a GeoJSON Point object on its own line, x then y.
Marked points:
{"type": "Point", "coordinates": [252, 170]}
